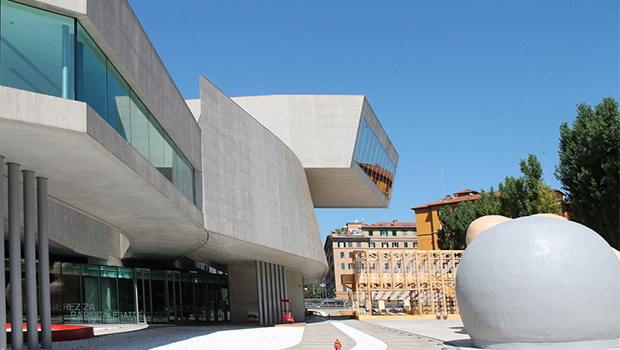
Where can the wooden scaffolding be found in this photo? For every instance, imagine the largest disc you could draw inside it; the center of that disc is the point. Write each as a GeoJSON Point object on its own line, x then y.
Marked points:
{"type": "Point", "coordinates": [422, 281]}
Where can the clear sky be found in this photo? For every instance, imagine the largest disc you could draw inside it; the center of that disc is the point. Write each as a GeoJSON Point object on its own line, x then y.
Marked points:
{"type": "Point", "coordinates": [467, 87]}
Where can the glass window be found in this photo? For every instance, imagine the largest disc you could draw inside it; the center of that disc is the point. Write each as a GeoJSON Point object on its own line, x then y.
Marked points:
{"type": "Point", "coordinates": [350, 244]}
{"type": "Point", "coordinates": [415, 245]}
{"type": "Point", "coordinates": [404, 233]}
{"type": "Point", "coordinates": [370, 233]}
{"type": "Point", "coordinates": [188, 296]}
{"type": "Point", "coordinates": [371, 244]}
{"type": "Point", "coordinates": [36, 50]}
{"type": "Point", "coordinates": [56, 286]}
{"type": "Point", "coordinates": [395, 245]}
{"type": "Point", "coordinates": [140, 126]}
{"type": "Point", "coordinates": [91, 295]}
{"type": "Point", "coordinates": [385, 245]}
{"type": "Point", "coordinates": [341, 245]}
{"type": "Point", "coordinates": [359, 244]}
{"type": "Point", "coordinates": [126, 301]}
{"type": "Point", "coordinates": [91, 74]}
{"type": "Point", "coordinates": [350, 266]}
{"type": "Point", "coordinates": [109, 294]}
{"type": "Point", "coordinates": [41, 52]}
{"type": "Point", "coordinates": [72, 304]}
{"type": "Point", "coordinates": [393, 233]}
{"type": "Point", "coordinates": [160, 150]}
{"type": "Point", "coordinates": [374, 160]}
{"type": "Point", "coordinates": [342, 254]}
{"type": "Point", "coordinates": [384, 233]}
{"type": "Point", "coordinates": [406, 244]}
{"type": "Point", "coordinates": [350, 255]}
{"type": "Point", "coordinates": [342, 266]}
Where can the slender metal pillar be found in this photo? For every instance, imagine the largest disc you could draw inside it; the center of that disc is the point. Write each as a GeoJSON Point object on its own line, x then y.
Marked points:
{"type": "Point", "coordinates": [274, 302]}
{"type": "Point", "coordinates": [15, 268]}
{"type": "Point", "coordinates": [30, 261]}
{"type": "Point", "coordinates": [2, 281]}
{"type": "Point", "coordinates": [278, 295]}
{"type": "Point", "coordinates": [45, 309]}
{"type": "Point", "coordinates": [259, 289]}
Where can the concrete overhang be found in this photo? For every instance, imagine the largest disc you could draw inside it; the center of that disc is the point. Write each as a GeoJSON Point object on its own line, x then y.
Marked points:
{"type": "Point", "coordinates": [227, 250]}
{"type": "Point", "coordinates": [323, 131]}
{"type": "Point", "coordinates": [94, 171]}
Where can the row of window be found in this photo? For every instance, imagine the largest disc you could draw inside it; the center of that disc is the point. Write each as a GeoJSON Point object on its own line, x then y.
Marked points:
{"type": "Point", "coordinates": [394, 233]}
{"type": "Point", "coordinates": [374, 245]}
{"type": "Point", "coordinates": [51, 54]}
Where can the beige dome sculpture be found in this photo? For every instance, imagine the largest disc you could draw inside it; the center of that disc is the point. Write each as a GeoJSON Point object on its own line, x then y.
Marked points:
{"type": "Point", "coordinates": [481, 224]}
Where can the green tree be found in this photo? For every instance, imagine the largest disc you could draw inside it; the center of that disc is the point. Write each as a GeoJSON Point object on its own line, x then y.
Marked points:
{"type": "Point", "coordinates": [527, 195]}
{"type": "Point", "coordinates": [523, 196]}
{"type": "Point", "coordinates": [456, 222]}
{"type": "Point", "coordinates": [589, 168]}
{"type": "Point", "coordinates": [314, 291]}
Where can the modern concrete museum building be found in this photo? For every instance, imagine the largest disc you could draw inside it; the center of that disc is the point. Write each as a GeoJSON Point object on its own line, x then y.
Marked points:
{"type": "Point", "coordinates": [161, 209]}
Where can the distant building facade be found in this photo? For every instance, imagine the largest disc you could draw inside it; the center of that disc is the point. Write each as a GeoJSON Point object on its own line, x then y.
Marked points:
{"type": "Point", "coordinates": [340, 245]}
{"type": "Point", "coordinates": [427, 215]}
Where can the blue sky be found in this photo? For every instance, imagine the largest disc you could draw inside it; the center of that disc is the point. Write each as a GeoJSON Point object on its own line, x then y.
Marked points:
{"type": "Point", "coordinates": [467, 87]}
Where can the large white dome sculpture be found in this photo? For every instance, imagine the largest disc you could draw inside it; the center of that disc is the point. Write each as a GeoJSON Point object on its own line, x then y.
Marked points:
{"type": "Point", "coordinates": [538, 282]}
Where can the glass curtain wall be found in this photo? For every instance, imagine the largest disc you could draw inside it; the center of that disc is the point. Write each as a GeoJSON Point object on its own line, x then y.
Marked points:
{"type": "Point", "coordinates": [83, 293]}
{"type": "Point", "coordinates": [52, 54]}
{"type": "Point", "coordinates": [374, 160]}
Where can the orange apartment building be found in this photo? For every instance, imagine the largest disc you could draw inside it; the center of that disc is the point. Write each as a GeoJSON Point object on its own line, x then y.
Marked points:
{"type": "Point", "coordinates": [340, 245]}
{"type": "Point", "coordinates": [427, 215]}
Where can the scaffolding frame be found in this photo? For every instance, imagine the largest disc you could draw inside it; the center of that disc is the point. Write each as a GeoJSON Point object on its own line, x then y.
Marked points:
{"type": "Point", "coordinates": [423, 279]}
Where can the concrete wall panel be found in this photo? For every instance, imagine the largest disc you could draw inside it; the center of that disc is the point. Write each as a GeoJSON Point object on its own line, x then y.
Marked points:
{"type": "Point", "coordinates": [255, 189]}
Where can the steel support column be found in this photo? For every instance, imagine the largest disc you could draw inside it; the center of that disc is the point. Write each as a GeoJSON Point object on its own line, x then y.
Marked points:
{"type": "Point", "coordinates": [30, 260]}
{"type": "Point", "coordinates": [44, 265]}
{"type": "Point", "coordinates": [2, 279]}
{"type": "Point", "coordinates": [15, 268]}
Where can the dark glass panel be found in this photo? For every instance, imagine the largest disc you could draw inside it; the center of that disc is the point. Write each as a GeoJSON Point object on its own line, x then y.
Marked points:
{"type": "Point", "coordinates": [109, 294]}
{"type": "Point", "coordinates": [188, 296]}
{"type": "Point", "coordinates": [56, 293]}
{"type": "Point", "coordinates": [160, 303]}
{"type": "Point", "coordinates": [72, 304]}
{"type": "Point", "coordinates": [126, 295]}
{"type": "Point", "coordinates": [91, 296]}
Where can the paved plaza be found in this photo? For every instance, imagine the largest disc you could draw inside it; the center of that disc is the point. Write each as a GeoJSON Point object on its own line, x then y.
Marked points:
{"type": "Point", "coordinates": [318, 333]}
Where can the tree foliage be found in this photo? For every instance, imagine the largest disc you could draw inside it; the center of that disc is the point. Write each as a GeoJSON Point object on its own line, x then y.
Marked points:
{"type": "Point", "coordinates": [523, 196]}
{"type": "Point", "coordinates": [527, 195]}
{"type": "Point", "coordinates": [589, 168]}
{"type": "Point", "coordinates": [456, 222]}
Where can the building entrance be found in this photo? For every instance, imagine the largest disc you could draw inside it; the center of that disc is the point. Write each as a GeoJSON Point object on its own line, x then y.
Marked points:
{"type": "Point", "coordinates": [84, 293]}
{"type": "Point", "coordinates": [175, 303]}
{"type": "Point", "coordinates": [144, 297]}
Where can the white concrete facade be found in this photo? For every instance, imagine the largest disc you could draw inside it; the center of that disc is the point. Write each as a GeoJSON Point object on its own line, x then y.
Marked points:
{"type": "Point", "coordinates": [256, 184]}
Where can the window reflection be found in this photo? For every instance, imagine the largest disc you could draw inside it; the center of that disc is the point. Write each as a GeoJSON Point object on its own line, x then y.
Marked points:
{"type": "Point", "coordinates": [53, 54]}
{"type": "Point", "coordinates": [374, 160]}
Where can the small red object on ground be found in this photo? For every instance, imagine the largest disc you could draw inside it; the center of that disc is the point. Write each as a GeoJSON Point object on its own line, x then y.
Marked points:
{"type": "Point", "coordinates": [60, 332]}
{"type": "Point", "coordinates": [287, 311]}
{"type": "Point", "coordinates": [337, 345]}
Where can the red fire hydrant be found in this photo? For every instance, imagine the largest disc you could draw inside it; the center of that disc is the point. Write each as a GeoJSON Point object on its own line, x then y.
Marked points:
{"type": "Point", "coordinates": [337, 345]}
